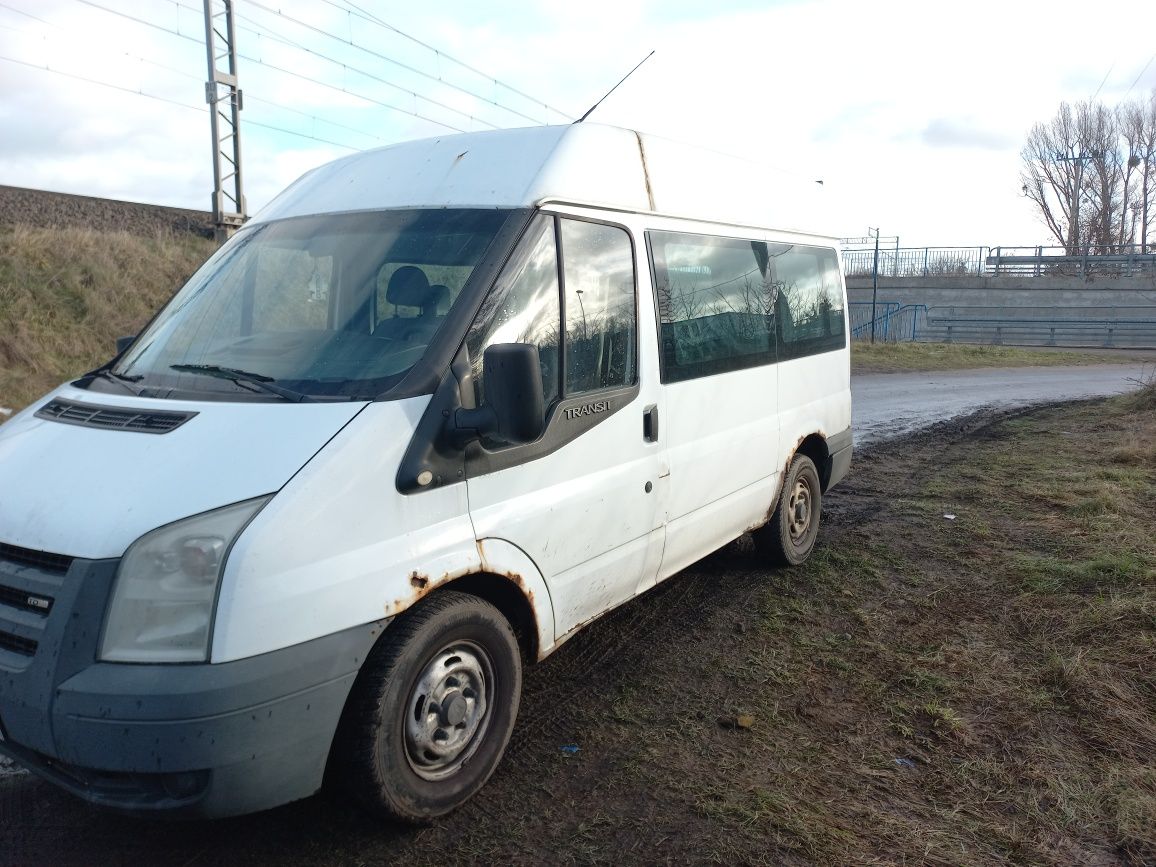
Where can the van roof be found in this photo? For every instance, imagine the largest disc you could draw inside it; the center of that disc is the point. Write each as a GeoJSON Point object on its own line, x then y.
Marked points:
{"type": "Point", "coordinates": [585, 163]}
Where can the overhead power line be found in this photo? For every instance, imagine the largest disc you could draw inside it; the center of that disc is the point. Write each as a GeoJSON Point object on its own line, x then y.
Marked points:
{"type": "Point", "coordinates": [200, 42]}
{"type": "Point", "coordinates": [346, 66]}
{"type": "Point", "coordinates": [199, 79]}
{"type": "Point", "coordinates": [358, 12]}
{"type": "Point", "coordinates": [1141, 75]}
{"type": "Point", "coordinates": [256, 5]}
{"type": "Point", "coordinates": [198, 108]}
{"type": "Point", "coordinates": [1102, 83]}
{"type": "Point", "coordinates": [345, 90]}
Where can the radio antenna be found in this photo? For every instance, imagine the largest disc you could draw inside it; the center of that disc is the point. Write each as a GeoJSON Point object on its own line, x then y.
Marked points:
{"type": "Point", "coordinates": [591, 110]}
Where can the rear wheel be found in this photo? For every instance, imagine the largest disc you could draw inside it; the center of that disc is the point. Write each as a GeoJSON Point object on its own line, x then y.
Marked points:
{"type": "Point", "coordinates": [789, 537]}
{"type": "Point", "coordinates": [432, 711]}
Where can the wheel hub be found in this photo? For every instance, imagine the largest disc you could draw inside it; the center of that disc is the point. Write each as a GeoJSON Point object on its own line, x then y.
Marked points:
{"type": "Point", "coordinates": [799, 510]}
{"type": "Point", "coordinates": [454, 709]}
{"type": "Point", "coordinates": [448, 706]}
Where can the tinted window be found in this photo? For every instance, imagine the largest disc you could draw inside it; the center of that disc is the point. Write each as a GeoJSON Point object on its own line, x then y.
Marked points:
{"type": "Point", "coordinates": [598, 264]}
{"type": "Point", "coordinates": [810, 303]}
{"type": "Point", "coordinates": [716, 304]}
{"type": "Point", "coordinates": [523, 307]}
{"type": "Point", "coordinates": [298, 302]}
{"type": "Point", "coordinates": [597, 316]}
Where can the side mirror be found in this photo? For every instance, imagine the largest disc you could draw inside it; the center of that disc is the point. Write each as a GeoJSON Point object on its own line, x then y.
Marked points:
{"type": "Point", "coordinates": [123, 343]}
{"type": "Point", "coordinates": [514, 408]}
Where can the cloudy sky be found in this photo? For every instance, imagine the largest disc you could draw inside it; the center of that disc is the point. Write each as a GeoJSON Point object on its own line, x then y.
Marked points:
{"type": "Point", "coordinates": [912, 113]}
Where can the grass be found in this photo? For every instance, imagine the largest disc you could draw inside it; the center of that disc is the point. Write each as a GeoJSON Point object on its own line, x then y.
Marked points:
{"type": "Point", "coordinates": [67, 294]}
{"type": "Point", "coordinates": [924, 693]}
{"type": "Point", "coordinates": [898, 357]}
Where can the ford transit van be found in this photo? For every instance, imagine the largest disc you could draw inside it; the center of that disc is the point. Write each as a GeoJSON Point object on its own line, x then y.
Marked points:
{"type": "Point", "coordinates": [438, 406]}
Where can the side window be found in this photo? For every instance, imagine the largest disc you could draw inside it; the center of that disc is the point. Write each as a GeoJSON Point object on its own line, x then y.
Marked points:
{"type": "Point", "coordinates": [598, 267]}
{"type": "Point", "coordinates": [716, 303]}
{"type": "Point", "coordinates": [811, 301]}
{"type": "Point", "coordinates": [523, 307]}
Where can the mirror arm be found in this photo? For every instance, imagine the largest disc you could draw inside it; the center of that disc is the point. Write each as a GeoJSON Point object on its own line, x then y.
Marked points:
{"type": "Point", "coordinates": [473, 424]}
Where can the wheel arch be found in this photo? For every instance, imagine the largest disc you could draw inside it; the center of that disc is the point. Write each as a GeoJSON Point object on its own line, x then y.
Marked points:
{"type": "Point", "coordinates": [814, 446]}
{"type": "Point", "coordinates": [503, 575]}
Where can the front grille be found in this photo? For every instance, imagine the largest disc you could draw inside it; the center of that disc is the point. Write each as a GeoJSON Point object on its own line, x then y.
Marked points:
{"type": "Point", "coordinates": [17, 644]}
{"type": "Point", "coordinates": [30, 583]}
{"type": "Point", "coordinates": [25, 601]}
{"type": "Point", "coordinates": [112, 418]}
{"type": "Point", "coordinates": [57, 564]}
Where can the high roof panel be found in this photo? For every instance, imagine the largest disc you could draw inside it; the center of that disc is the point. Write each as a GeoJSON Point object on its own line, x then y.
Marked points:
{"type": "Point", "coordinates": [579, 163]}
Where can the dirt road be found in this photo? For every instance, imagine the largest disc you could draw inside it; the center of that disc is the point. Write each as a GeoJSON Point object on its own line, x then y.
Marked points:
{"type": "Point", "coordinates": [887, 405]}
{"type": "Point", "coordinates": [639, 693]}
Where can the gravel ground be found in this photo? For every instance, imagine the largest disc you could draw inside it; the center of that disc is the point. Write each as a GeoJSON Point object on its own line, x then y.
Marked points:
{"type": "Point", "coordinates": [42, 209]}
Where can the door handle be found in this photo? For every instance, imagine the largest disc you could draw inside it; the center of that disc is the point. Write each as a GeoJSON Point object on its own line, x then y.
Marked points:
{"type": "Point", "coordinates": [650, 424]}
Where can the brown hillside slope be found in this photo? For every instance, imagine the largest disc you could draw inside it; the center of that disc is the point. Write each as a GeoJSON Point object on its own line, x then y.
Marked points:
{"type": "Point", "coordinates": [77, 272]}
{"type": "Point", "coordinates": [47, 210]}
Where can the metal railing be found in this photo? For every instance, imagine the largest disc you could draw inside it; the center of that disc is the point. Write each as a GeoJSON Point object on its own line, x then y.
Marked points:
{"type": "Point", "coordinates": [893, 321]}
{"type": "Point", "coordinates": [1119, 327]}
{"type": "Point", "coordinates": [1119, 261]}
{"type": "Point", "coordinates": [1039, 261]}
{"type": "Point", "coordinates": [916, 261]}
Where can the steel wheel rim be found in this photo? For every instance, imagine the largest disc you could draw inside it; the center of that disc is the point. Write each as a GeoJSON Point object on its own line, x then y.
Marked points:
{"type": "Point", "coordinates": [799, 507]}
{"type": "Point", "coordinates": [447, 713]}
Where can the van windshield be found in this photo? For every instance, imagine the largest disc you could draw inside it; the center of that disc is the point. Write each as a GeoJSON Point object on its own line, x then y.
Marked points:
{"type": "Point", "coordinates": [338, 306]}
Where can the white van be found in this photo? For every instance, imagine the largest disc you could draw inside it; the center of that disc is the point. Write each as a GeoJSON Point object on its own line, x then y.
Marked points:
{"type": "Point", "coordinates": [436, 408]}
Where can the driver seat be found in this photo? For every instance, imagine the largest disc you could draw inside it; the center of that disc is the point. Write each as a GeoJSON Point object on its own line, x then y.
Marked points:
{"type": "Point", "coordinates": [409, 287]}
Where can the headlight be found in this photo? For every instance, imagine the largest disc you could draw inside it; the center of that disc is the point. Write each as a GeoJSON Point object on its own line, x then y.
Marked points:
{"type": "Point", "coordinates": [162, 604]}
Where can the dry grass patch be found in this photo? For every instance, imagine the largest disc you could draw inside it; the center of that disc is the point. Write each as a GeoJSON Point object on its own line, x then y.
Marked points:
{"type": "Point", "coordinates": [897, 357]}
{"type": "Point", "coordinates": [67, 294]}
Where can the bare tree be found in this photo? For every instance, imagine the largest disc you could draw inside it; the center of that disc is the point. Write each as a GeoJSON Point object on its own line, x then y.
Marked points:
{"type": "Point", "coordinates": [1091, 173]}
{"type": "Point", "coordinates": [1137, 121]}
{"type": "Point", "coordinates": [1104, 175]}
{"type": "Point", "coordinates": [1053, 175]}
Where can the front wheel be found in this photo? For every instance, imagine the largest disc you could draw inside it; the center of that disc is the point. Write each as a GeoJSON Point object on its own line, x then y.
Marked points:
{"type": "Point", "coordinates": [432, 711]}
{"type": "Point", "coordinates": [789, 537]}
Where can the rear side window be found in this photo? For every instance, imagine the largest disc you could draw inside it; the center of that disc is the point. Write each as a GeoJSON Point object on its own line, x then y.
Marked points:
{"type": "Point", "coordinates": [810, 302]}
{"type": "Point", "coordinates": [732, 303]}
{"type": "Point", "coordinates": [716, 304]}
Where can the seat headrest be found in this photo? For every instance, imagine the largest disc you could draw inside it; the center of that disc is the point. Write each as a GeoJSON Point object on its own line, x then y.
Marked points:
{"type": "Point", "coordinates": [409, 287]}
{"type": "Point", "coordinates": [438, 295]}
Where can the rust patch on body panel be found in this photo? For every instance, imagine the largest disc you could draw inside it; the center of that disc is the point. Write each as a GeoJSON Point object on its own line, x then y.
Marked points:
{"type": "Point", "coordinates": [422, 585]}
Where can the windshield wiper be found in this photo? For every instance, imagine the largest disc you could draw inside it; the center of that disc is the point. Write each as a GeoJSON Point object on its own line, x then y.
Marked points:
{"type": "Point", "coordinates": [118, 378]}
{"type": "Point", "coordinates": [260, 381]}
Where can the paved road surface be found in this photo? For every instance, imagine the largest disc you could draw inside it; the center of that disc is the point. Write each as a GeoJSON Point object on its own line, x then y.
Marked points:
{"type": "Point", "coordinates": [889, 404]}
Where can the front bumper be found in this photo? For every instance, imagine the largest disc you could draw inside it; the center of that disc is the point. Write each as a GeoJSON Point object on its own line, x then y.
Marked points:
{"type": "Point", "coordinates": [199, 740]}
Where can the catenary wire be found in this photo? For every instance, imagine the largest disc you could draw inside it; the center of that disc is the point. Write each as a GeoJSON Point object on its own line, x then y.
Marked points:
{"type": "Point", "coordinates": [1141, 75]}
{"type": "Point", "coordinates": [373, 19]}
{"type": "Point", "coordinates": [262, 63]}
{"type": "Point", "coordinates": [198, 108]}
{"type": "Point", "coordinates": [182, 73]}
{"type": "Point", "coordinates": [256, 5]}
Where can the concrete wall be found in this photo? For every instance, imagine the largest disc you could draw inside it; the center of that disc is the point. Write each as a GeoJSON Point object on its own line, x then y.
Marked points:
{"type": "Point", "coordinates": [1015, 310]}
{"type": "Point", "coordinates": [1013, 292]}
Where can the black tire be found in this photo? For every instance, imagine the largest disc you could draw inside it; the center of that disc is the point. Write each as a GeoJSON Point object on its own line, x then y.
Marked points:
{"type": "Point", "coordinates": [387, 751]}
{"type": "Point", "coordinates": [789, 537]}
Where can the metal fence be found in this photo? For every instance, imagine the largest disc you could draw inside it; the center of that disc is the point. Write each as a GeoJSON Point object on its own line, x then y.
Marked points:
{"type": "Point", "coordinates": [1118, 327]}
{"type": "Point", "coordinates": [1039, 261]}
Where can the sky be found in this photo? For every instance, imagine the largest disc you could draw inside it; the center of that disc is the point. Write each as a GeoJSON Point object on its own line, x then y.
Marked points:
{"type": "Point", "coordinates": [912, 113]}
